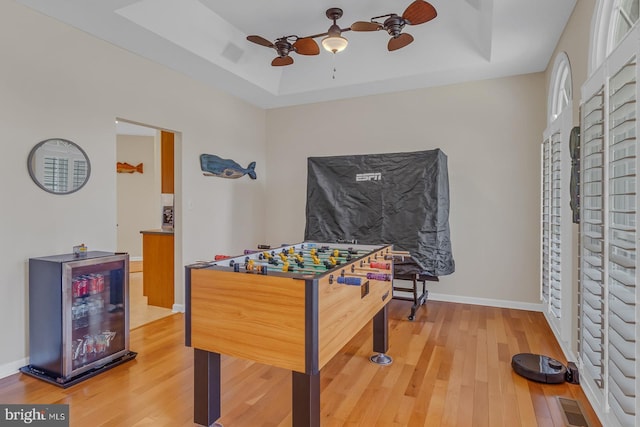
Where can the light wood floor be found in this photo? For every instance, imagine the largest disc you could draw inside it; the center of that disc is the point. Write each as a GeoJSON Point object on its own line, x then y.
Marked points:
{"type": "Point", "coordinates": [140, 313]}
{"type": "Point", "coordinates": [451, 368]}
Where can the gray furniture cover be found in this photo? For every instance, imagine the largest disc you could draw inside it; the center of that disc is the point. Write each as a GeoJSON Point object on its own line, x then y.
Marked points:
{"type": "Point", "coordinates": [398, 198]}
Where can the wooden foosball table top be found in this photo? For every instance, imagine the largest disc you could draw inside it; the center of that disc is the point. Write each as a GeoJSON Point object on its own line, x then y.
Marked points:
{"type": "Point", "coordinates": [297, 318]}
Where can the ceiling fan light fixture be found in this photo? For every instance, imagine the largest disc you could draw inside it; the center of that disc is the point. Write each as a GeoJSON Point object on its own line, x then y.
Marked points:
{"type": "Point", "coordinates": [334, 44]}
{"type": "Point", "coordinates": [418, 12]}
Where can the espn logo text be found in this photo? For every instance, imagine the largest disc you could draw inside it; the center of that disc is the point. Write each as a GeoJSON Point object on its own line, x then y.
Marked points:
{"type": "Point", "coordinates": [369, 176]}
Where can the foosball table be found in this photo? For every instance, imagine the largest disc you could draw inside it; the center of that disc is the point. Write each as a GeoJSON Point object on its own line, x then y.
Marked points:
{"type": "Point", "coordinates": [293, 307]}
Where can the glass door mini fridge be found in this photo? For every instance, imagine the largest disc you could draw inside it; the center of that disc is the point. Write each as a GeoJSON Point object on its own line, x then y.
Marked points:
{"type": "Point", "coordinates": [78, 316]}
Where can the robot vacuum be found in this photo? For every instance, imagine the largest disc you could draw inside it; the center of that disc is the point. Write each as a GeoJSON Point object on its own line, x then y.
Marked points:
{"type": "Point", "coordinates": [536, 367]}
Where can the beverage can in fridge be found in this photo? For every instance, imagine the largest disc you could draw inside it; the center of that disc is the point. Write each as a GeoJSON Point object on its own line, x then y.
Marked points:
{"type": "Point", "coordinates": [93, 284]}
{"type": "Point", "coordinates": [83, 287]}
{"type": "Point", "coordinates": [75, 288]}
{"type": "Point", "coordinates": [89, 344]}
{"type": "Point", "coordinates": [100, 279]}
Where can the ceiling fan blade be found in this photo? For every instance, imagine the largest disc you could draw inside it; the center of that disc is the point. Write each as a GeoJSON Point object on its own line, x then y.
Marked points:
{"type": "Point", "coordinates": [399, 42]}
{"type": "Point", "coordinates": [260, 40]}
{"type": "Point", "coordinates": [419, 12]}
{"type": "Point", "coordinates": [365, 26]}
{"type": "Point", "coordinates": [281, 61]}
{"type": "Point", "coordinates": [306, 46]}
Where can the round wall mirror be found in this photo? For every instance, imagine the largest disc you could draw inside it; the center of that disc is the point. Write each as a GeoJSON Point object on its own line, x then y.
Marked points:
{"type": "Point", "coordinates": [58, 166]}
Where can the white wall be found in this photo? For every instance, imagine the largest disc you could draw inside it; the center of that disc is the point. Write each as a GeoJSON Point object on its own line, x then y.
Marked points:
{"type": "Point", "coordinates": [56, 81]}
{"type": "Point", "coordinates": [138, 193]}
{"type": "Point", "coordinates": [490, 131]}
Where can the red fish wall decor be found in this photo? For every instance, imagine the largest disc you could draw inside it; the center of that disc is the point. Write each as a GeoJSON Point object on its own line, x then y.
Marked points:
{"type": "Point", "coordinates": [127, 168]}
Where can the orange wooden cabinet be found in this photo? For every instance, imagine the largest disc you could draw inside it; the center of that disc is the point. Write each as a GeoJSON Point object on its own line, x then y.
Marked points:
{"type": "Point", "coordinates": [167, 156]}
{"type": "Point", "coordinates": [158, 267]}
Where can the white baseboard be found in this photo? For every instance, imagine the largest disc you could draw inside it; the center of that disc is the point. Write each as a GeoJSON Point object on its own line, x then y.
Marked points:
{"type": "Point", "coordinates": [135, 258]}
{"type": "Point", "coordinates": [564, 346]}
{"type": "Point", "coordinates": [9, 369]}
{"type": "Point", "coordinates": [178, 308]}
{"type": "Point", "coordinates": [518, 305]}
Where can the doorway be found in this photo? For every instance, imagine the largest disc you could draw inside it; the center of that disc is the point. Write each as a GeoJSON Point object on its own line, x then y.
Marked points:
{"type": "Point", "coordinates": [142, 186]}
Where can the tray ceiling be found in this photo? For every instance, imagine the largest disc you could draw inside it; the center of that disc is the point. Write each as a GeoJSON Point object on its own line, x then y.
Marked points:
{"type": "Point", "coordinates": [206, 40]}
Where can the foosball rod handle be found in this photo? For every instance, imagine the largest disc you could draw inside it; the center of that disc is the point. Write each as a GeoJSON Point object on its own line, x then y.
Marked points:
{"type": "Point", "coordinates": [400, 253]}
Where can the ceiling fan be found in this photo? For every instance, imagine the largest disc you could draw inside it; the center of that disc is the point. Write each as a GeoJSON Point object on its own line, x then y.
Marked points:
{"type": "Point", "coordinates": [284, 46]}
{"type": "Point", "coordinates": [417, 13]}
{"type": "Point", "coordinates": [305, 45]}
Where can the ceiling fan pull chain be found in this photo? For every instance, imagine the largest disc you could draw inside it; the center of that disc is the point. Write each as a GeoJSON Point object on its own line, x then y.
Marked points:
{"type": "Point", "coordinates": [333, 61]}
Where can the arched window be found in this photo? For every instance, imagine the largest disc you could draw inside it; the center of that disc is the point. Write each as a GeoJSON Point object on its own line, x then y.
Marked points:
{"type": "Point", "coordinates": [612, 21]}
{"type": "Point", "coordinates": [556, 246]}
{"type": "Point", "coordinates": [624, 16]}
{"type": "Point", "coordinates": [560, 88]}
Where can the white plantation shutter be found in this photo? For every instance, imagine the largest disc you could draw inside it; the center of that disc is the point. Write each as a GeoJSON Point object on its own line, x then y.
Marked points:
{"type": "Point", "coordinates": [592, 238]}
{"type": "Point", "coordinates": [551, 275]}
{"type": "Point", "coordinates": [556, 276]}
{"type": "Point", "coordinates": [546, 220]}
{"type": "Point", "coordinates": [609, 242]}
{"type": "Point", "coordinates": [56, 174]}
{"type": "Point", "coordinates": [80, 170]}
{"type": "Point", "coordinates": [555, 234]}
{"type": "Point", "coordinates": [609, 333]}
{"type": "Point", "coordinates": [622, 244]}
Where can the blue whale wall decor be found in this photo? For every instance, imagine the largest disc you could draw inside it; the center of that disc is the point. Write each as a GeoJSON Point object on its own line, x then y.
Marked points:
{"type": "Point", "coordinates": [213, 165]}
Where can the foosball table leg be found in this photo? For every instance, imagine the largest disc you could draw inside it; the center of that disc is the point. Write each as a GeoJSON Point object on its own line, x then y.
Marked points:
{"type": "Point", "coordinates": [380, 338]}
{"type": "Point", "coordinates": [206, 386]}
{"type": "Point", "coordinates": [305, 402]}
